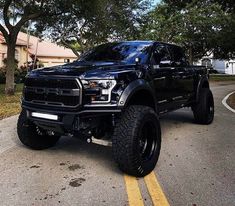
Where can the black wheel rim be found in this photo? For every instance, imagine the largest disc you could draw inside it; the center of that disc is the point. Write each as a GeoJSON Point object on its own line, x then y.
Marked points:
{"type": "Point", "coordinates": [147, 140]}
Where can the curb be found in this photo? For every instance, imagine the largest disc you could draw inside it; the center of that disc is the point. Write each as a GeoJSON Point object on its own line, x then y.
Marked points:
{"type": "Point", "coordinates": [224, 102]}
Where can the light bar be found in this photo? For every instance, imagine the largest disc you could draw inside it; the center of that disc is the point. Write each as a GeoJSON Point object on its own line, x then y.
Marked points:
{"type": "Point", "coordinates": [44, 116]}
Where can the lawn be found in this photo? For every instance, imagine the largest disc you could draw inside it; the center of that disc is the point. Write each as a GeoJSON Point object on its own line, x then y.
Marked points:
{"type": "Point", "coordinates": [10, 105]}
{"type": "Point", "coordinates": [223, 77]}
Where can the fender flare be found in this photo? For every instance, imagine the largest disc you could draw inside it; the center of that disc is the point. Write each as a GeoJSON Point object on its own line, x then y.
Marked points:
{"type": "Point", "coordinates": [132, 89]}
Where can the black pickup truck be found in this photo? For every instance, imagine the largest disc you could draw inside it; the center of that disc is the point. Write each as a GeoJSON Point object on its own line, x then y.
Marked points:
{"type": "Point", "coordinates": [114, 93]}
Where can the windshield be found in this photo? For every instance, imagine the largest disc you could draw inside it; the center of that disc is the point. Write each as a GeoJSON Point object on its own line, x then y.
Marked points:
{"type": "Point", "coordinates": [123, 52]}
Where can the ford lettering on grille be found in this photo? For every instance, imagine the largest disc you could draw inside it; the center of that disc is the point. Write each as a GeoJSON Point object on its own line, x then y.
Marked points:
{"type": "Point", "coordinates": [58, 92]}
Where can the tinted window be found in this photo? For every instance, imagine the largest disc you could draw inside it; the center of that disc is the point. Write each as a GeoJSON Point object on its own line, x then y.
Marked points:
{"type": "Point", "coordinates": [178, 55]}
{"type": "Point", "coordinates": [161, 54]}
{"type": "Point", "coordinates": [123, 52]}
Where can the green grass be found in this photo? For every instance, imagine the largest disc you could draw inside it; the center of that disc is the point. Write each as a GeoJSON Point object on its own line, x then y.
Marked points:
{"type": "Point", "coordinates": [10, 105]}
{"type": "Point", "coordinates": [222, 77]}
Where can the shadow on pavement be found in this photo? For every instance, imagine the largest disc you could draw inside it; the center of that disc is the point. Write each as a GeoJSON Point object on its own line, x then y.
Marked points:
{"type": "Point", "coordinates": [181, 116]}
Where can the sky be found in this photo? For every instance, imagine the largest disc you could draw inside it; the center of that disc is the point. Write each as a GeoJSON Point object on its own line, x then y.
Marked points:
{"type": "Point", "coordinates": [156, 1]}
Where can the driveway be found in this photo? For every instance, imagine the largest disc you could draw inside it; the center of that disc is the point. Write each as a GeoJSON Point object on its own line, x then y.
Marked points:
{"type": "Point", "coordinates": [196, 166]}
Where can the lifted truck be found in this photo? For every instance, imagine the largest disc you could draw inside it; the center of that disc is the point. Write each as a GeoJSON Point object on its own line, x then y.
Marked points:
{"type": "Point", "coordinates": [115, 92]}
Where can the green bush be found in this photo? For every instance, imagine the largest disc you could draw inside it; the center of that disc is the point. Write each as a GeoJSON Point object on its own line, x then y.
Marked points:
{"type": "Point", "coordinates": [19, 75]}
{"type": "Point", "coordinates": [2, 77]}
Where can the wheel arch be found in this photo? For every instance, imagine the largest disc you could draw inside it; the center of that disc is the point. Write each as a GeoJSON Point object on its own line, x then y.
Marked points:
{"type": "Point", "coordinates": [138, 92]}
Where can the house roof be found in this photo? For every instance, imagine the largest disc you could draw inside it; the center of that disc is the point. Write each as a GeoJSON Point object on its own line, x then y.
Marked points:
{"type": "Point", "coordinates": [19, 42]}
{"type": "Point", "coordinates": [45, 48]}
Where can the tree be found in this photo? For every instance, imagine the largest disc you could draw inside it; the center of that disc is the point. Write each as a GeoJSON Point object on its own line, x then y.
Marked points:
{"type": "Point", "coordinates": [90, 23]}
{"type": "Point", "coordinates": [214, 21]}
{"type": "Point", "coordinates": [198, 26]}
{"type": "Point", "coordinates": [24, 10]}
{"type": "Point", "coordinates": [227, 5]}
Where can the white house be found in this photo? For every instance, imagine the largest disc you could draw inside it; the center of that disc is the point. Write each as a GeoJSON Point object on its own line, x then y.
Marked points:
{"type": "Point", "coordinates": [222, 66]}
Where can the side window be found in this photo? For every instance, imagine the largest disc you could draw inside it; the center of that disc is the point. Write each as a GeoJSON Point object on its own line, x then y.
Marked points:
{"type": "Point", "coordinates": [178, 56]}
{"type": "Point", "coordinates": [161, 56]}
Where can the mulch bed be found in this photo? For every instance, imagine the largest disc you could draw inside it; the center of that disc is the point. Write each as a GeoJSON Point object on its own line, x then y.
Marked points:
{"type": "Point", "coordinates": [231, 101]}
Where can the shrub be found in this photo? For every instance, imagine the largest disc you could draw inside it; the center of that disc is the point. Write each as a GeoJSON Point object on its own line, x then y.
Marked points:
{"type": "Point", "coordinates": [19, 75]}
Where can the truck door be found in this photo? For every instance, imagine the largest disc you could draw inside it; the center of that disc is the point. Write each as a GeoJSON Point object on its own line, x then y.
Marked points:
{"type": "Point", "coordinates": [162, 73]}
{"type": "Point", "coordinates": [183, 75]}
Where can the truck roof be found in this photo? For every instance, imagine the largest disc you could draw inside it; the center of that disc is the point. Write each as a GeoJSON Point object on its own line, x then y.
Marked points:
{"type": "Point", "coordinates": [148, 42]}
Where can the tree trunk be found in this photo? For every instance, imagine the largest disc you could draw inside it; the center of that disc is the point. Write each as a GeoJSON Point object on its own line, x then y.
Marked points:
{"type": "Point", "coordinates": [11, 65]}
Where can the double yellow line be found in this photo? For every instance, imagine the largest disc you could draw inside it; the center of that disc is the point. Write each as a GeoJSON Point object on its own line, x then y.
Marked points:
{"type": "Point", "coordinates": [154, 189]}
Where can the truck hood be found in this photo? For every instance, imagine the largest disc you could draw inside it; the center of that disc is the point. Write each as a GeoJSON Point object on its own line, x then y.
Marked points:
{"type": "Point", "coordinates": [86, 70]}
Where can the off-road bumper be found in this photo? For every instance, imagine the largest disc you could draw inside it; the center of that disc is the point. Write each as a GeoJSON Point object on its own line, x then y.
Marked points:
{"type": "Point", "coordinates": [68, 121]}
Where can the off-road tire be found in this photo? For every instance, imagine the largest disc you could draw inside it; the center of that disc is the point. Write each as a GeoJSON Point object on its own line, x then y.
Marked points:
{"type": "Point", "coordinates": [127, 142]}
{"type": "Point", "coordinates": [30, 135]}
{"type": "Point", "coordinates": [203, 110]}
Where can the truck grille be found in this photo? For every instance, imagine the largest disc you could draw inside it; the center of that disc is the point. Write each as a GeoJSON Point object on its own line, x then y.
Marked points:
{"type": "Point", "coordinates": [53, 92]}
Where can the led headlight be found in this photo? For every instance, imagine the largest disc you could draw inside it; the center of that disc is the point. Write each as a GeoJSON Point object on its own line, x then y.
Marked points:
{"type": "Point", "coordinates": [99, 90]}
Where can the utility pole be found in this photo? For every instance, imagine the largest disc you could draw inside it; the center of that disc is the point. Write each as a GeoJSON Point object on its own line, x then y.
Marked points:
{"type": "Point", "coordinates": [27, 52]}
{"type": "Point", "coordinates": [36, 53]}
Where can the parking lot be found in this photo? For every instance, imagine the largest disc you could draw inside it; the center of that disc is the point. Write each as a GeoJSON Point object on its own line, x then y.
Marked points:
{"type": "Point", "coordinates": [196, 166]}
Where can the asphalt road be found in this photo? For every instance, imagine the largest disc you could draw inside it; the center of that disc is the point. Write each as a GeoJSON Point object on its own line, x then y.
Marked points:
{"type": "Point", "coordinates": [196, 165]}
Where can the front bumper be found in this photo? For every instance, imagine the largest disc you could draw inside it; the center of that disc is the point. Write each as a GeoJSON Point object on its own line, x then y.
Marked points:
{"type": "Point", "coordinates": [68, 121]}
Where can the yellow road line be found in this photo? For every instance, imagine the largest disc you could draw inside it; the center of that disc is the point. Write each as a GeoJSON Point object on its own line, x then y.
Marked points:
{"type": "Point", "coordinates": [155, 190]}
{"type": "Point", "coordinates": [133, 191]}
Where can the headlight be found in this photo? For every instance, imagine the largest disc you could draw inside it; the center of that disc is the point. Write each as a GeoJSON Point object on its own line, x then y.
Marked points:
{"type": "Point", "coordinates": [99, 90]}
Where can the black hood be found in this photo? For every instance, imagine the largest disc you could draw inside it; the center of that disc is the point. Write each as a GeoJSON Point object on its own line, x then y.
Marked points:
{"type": "Point", "coordinates": [86, 69]}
